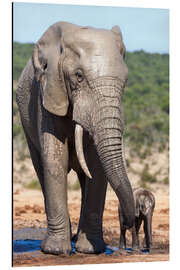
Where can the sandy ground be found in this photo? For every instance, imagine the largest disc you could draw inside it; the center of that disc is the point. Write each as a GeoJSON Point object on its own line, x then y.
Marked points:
{"type": "Point", "coordinates": [29, 212]}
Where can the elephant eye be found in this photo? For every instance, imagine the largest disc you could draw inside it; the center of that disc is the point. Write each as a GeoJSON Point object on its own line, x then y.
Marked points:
{"type": "Point", "coordinates": [79, 75]}
{"type": "Point", "coordinates": [45, 66]}
{"type": "Point", "coordinates": [61, 49]}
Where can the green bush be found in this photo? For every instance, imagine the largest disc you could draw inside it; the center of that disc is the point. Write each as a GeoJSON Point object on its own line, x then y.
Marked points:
{"type": "Point", "coordinates": [74, 186]}
{"type": "Point", "coordinates": [146, 177]}
{"type": "Point", "coordinates": [34, 184]}
{"type": "Point", "coordinates": [166, 181]}
{"type": "Point", "coordinates": [21, 54]}
{"type": "Point", "coordinates": [17, 129]}
{"type": "Point", "coordinates": [146, 100]}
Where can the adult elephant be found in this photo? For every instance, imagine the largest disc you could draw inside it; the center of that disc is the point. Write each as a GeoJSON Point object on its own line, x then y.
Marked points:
{"type": "Point", "coordinates": [70, 97]}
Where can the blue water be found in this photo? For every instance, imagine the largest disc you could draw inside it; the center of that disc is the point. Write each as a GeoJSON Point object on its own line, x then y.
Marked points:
{"type": "Point", "coordinates": [26, 245]}
{"type": "Point", "coordinates": [144, 251]}
{"type": "Point", "coordinates": [29, 245]}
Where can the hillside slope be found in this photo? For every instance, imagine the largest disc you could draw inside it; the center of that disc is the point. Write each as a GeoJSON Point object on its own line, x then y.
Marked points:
{"type": "Point", "coordinates": [146, 107]}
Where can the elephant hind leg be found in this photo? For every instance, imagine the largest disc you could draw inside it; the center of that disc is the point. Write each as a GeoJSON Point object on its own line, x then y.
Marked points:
{"type": "Point", "coordinates": [82, 181]}
{"type": "Point", "coordinates": [36, 160]}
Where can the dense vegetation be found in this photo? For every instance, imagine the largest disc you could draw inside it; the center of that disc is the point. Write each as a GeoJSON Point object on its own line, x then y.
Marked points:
{"type": "Point", "coordinates": [21, 54]}
{"type": "Point", "coordinates": [146, 99]}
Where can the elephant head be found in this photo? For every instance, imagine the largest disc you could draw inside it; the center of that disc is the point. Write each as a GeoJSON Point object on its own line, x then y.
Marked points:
{"type": "Point", "coordinates": [84, 68]}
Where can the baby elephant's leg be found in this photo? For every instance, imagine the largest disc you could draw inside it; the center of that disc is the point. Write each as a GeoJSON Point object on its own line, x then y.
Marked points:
{"type": "Point", "coordinates": [148, 231]}
{"type": "Point", "coordinates": [122, 242]}
{"type": "Point", "coordinates": [135, 233]}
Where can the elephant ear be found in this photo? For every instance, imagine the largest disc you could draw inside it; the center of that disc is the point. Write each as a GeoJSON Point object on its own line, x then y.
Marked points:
{"type": "Point", "coordinates": [47, 60]}
{"type": "Point", "coordinates": [116, 30]}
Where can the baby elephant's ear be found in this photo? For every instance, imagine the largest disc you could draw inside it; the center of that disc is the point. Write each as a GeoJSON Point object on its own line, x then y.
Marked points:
{"type": "Point", "coordinates": [47, 60]}
{"type": "Point", "coordinates": [137, 205]}
{"type": "Point", "coordinates": [137, 209]}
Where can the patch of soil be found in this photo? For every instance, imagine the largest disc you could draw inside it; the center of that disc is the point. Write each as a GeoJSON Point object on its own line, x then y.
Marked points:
{"type": "Point", "coordinates": [76, 259]}
{"type": "Point", "coordinates": [28, 211]}
{"type": "Point", "coordinates": [164, 211]}
{"type": "Point", "coordinates": [163, 226]}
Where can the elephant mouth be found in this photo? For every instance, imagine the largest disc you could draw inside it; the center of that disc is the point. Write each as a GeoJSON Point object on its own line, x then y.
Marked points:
{"type": "Point", "coordinates": [79, 149]}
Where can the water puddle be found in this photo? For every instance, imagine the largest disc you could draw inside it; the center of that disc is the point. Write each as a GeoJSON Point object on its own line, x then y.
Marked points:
{"type": "Point", "coordinates": [30, 245]}
{"type": "Point", "coordinates": [143, 251]}
{"type": "Point", "coordinates": [27, 245]}
{"type": "Point", "coordinates": [29, 240]}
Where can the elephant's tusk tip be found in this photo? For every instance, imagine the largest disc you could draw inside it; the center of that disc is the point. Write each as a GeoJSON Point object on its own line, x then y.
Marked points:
{"type": "Point", "coordinates": [79, 149]}
{"type": "Point", "coordinates": [89, 175]}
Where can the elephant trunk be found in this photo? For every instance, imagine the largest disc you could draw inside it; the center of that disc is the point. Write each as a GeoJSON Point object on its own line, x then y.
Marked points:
{"type": "Point", "coordinates": [108, 131]}
{"type": "Point", "coordinates": [111, 156]}
{"type": "Point", "coordinates": [105, 125]}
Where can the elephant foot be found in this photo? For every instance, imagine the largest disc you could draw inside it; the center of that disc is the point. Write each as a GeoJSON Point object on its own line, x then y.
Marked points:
{"type": "Point", "coordinates": [54, 244]}
{"type": "Point", "coordinates": [89, 244]}
{"type": "Point", "coordinates": [145, 245]}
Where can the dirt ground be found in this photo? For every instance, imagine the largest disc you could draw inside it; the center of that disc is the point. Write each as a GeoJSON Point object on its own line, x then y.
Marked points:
{"type": "Point", "coordinates": [29, 212]}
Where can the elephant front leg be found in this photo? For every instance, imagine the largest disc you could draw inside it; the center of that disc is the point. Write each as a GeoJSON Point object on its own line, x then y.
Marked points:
{"type": "Point", "coordinates": [90, 235]}
{"type": "Point", "coordinates": [55, 159]}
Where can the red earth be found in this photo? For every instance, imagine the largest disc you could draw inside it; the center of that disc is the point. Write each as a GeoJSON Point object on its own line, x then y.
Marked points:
{"type": "Point", "coordinates": [29, 213]}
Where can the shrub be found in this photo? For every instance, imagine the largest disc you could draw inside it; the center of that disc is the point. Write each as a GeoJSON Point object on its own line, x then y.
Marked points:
{"type": "Point", "coordinates": [166, 181]}
{"type": "Point", "coordinates": [34, 184]}
{"type": "Point", "coordinates": [146, 176]}
{"type": "Point", "coordinates": [74, 186]}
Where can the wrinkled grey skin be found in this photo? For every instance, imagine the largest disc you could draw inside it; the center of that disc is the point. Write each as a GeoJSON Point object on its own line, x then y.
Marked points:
{"type": "Point", "coordinates": [144, 207]}
{"type": "Point", "coordinates": [76, 75]}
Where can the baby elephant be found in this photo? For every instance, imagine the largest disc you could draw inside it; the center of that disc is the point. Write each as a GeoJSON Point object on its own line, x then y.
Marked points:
{"type": "Point", "coordinates": [144, 207]}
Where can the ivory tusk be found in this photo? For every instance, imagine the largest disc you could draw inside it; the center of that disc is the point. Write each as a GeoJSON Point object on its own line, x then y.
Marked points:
{"type": "Point", "coordinates": [79, 149]}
